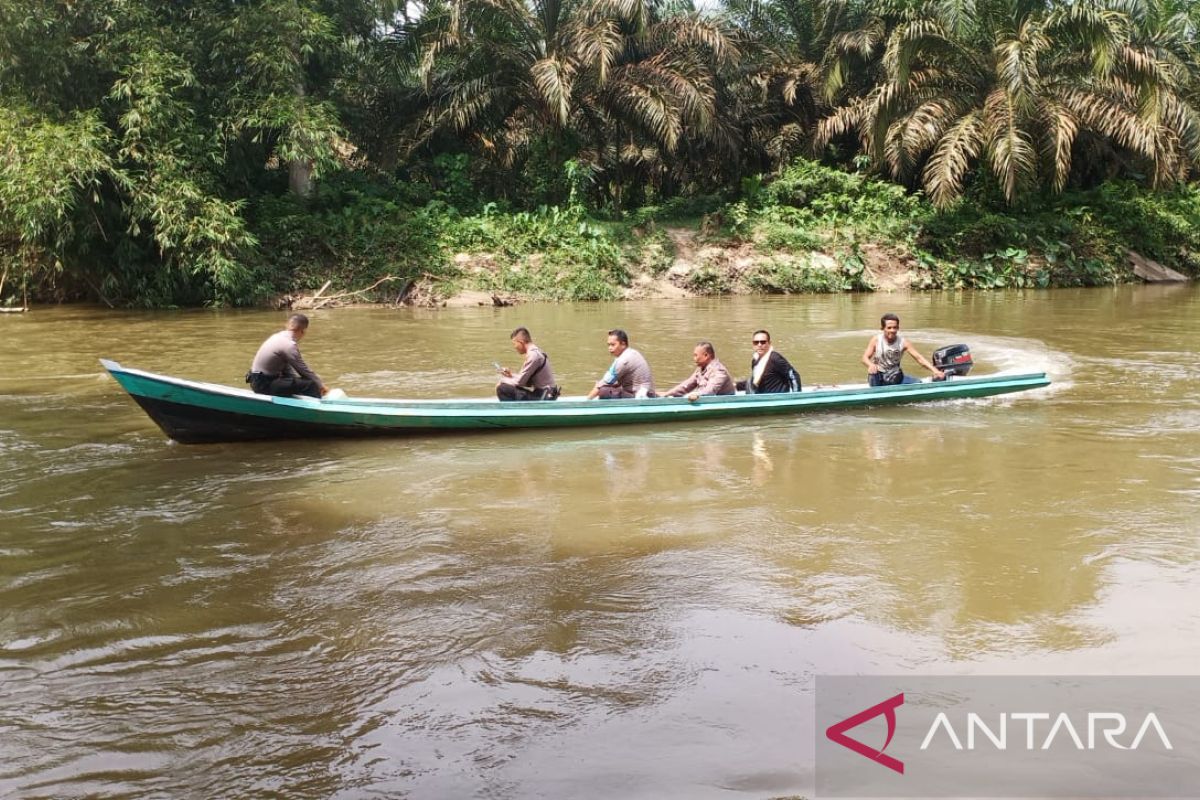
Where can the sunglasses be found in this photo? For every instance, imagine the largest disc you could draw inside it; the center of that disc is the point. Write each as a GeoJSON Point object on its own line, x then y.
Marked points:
{"type": "Point", "coordinates": [760, 341]}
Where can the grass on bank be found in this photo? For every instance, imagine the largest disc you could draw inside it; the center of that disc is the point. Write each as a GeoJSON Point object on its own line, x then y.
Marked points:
{"type": "Point", "coordinates": [807, 229]}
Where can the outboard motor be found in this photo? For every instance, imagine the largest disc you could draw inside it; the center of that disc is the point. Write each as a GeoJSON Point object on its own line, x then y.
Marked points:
{"type": "Point", "coordinates": [954, 360]}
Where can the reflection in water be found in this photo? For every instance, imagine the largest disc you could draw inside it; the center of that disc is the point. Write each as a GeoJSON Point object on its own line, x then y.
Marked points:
{"type": "Point", "coordinates": [762, 458]}
{"type": "Point", "coordinates": [625, 612]}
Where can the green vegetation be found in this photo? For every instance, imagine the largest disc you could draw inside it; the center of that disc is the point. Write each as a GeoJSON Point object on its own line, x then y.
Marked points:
{"type": "Point", "coordinates": [1076, 238]}
{"type": "Point", "coordinates": [157, 154]}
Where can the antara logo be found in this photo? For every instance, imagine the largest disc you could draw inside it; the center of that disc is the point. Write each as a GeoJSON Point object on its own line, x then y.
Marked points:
{"type": "Point", "coordinates": [1110, 725]}
{"type": "Point", "coordinates": [837, 733]}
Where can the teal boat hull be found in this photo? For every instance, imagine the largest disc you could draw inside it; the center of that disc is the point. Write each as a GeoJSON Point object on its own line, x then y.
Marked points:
{"type": "Point", "coordinates": [194, 413]}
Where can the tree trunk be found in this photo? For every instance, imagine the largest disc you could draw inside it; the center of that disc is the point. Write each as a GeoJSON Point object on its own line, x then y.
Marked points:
{"type": "Point", "coordinates": [300, 170]}
{"type": "Point", "coordinates": [300, 177]}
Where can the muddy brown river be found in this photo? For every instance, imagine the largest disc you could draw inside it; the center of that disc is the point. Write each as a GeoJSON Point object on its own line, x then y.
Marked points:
{"type": "Point", "coordinates": [632, 612]}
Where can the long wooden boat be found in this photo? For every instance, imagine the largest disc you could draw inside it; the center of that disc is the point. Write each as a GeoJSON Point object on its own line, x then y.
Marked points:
{"type": "Point", "coordinates": [191, 412]}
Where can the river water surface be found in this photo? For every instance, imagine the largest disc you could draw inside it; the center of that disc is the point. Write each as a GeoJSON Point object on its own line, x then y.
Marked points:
{"type": "Point", "coordinates": [624, 612]}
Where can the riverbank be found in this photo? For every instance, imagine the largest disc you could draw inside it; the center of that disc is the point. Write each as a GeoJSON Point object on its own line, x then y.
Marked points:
{"type": "Point", "coordinates": [697, 267]}
{"type": "Point", "coordinates": [811, 229]}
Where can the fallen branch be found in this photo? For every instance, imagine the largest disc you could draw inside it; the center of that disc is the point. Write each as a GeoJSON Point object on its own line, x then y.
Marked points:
{"type": "Point", "coordinates": [321, 291]}
{"type": "Point", "coordinates": [96, 289]}
{"type": "Point", "coordinates": [320, 299]}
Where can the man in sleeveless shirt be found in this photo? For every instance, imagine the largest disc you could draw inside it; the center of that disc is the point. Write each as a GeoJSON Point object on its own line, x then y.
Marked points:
{"type": "Point", "coordinates": [884, 352]}
{"type": "Point", "coordinates": [535, 379]}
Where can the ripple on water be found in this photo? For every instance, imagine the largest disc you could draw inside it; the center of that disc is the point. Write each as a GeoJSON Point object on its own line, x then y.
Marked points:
{"type": "Point", "coordinates": [1182, 422]}
{"type": "Point", "coordinates": [12, 441]}
{"type": "Point", "coordinates": [336, 619]}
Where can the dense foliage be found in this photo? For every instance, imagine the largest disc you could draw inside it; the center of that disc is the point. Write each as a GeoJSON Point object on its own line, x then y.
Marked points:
{"type": "Point", "coordinates": [214, 152]}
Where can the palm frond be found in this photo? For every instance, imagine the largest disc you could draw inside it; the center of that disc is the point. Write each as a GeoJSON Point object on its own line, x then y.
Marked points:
{"type": "Point", "coordinates": [958, 16]}
{"type": "Point", "coordinates": [1061, 128]}
{"type": "Point", "coordinates": [693, 30]}
{"type": "Point", "coordinates": [1013, 157]}
{"type": "Point", "coordinates": [598, 45]}
{"type": "Point", "coordinates": [650, 107]}
{"type": "Point", "coordinates": [952, 158]}
{"type": "Point", "coordinates": [1101, 32]}
{"type": "Point", "coordinates": [1110, 114]}
{"type": "Point", "coordinates": [841, 121]}
{"type": "Point", "coordinates": [1182, 119]}
{"type": "Point", "coordinates": [637, 13]}
{"type": "Point", "coordinates": [1017, 60]}
{"type": "Point", "coordinates": [552, 77]}
{"type": "Point", "coordinates": [917, 36]}
{"type": "Point", "coordinates": [923, 127]}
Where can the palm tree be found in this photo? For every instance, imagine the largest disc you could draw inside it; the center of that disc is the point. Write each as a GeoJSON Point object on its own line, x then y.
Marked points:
{"type": "Point", "coordinates": [778, 92]}
{"type": "Point", "coordinates": [625, 79]}
{"type": "Point", "coordinates": [1014, 84]}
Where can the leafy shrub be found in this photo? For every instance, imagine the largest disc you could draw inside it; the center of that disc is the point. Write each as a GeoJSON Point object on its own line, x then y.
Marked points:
{"type": "Point", "coordinates": [808, 206]}
{"type": "Point", "coordinates": [553, 252]}
{"type": "Point", "coordinates": [707, 279]}
{"type": "Point", "coordinates": [828, 194]}
{"type": "Point", "coordinates": [1164, 226]}
{"type": "Point", "coordinates": [785, 229]}
{"type": "Point", "coordinates": [784, 276]}
{"type": "Point", "coordinates": [350, 236]}
{"type": "Point", "coordinates": [677, 208]}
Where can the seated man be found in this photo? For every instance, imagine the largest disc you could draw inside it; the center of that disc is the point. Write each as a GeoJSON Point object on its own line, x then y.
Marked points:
{"type": "Point", "coordinates": [535, 381]}
{"type": "Point", "coordinates": [770, 372]}
{"type": "Point", "coordinates": [629, 375]}
{"type": "Point", "coordinates": [884, 352]}
{"type": "Point", "coordinates": [710, 376]}
{"type": "Point", "coordinates": [279, 370]}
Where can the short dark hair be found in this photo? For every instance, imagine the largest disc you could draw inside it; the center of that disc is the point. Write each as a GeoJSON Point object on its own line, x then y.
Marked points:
{"type": "Point", "coordinates": [883, 321]}
{"type": "Point", "coordinates": [621, 335]}
{"type": "Point", "coordinates": [708, 348]}
{"type": "Point", "coordinates": [764, 333]}
{"type": "Point", "coordinates": [298, 321]}
{"type": "Point", "coordinates": [521, 333]}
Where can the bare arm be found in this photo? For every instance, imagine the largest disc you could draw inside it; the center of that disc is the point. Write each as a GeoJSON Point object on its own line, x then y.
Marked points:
{"type": "Point", "coordinates": [868, 356]}
{"type": "Point", "coordinates": [610, 379]}
{"type": "Point", "coordinates": [920, 359]}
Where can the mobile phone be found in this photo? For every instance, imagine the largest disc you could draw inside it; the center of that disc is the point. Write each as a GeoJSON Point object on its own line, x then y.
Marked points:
{"type": "Point", "coordinates": [499, 368]}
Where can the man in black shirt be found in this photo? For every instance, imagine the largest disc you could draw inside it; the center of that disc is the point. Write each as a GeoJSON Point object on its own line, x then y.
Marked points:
{"type": "Point", "coordinates": [770, 372]}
